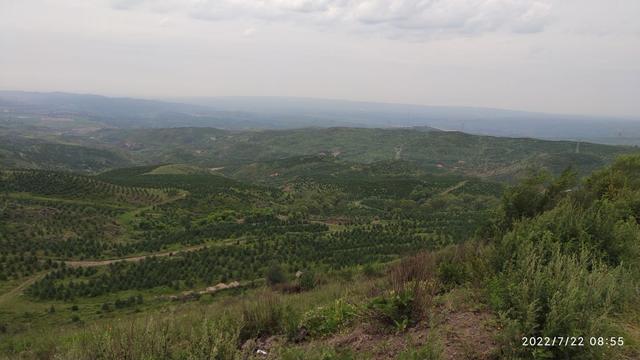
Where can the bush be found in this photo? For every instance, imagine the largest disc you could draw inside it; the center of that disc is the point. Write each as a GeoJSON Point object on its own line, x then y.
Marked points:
{"type": "Point", "coordinates": [370, 271]}
{"type": "Point", "coordinates": [451, 273]}
{"type": "Point", "coordinates": [307, 280]}
{"type": "Point", "coordinates": [572, 267]}
{"type": "Point", "coordinates": [393, 309]}
{"type": "Point", "coordinates": [328, 320]}
{"type": "Point", "coordinates": [275, 275]}
{"type": "Point", "coordinates": [413, 278]}
{"type": "Point", "coordinates": [552, 293]}
{"type": "Point", "coordinates": [421, 267]}
{"type": "Point", "coordinates": [469, 262]}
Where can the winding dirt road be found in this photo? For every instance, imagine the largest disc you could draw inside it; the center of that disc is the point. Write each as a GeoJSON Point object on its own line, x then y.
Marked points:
{"type": "Point", "coordinates": [94, 263]}
{"type": "Point", "coordinates": [91, 263]}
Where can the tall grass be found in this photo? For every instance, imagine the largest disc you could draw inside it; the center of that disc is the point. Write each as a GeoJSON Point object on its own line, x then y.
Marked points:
{"type": "Point", "coordinates": [158, 339]}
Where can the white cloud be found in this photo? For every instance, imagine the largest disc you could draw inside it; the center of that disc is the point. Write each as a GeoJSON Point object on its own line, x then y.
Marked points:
{"type": "Point", "coordinates": [396, 17]}
{"type": "Point", "coordinates": [248, 32]}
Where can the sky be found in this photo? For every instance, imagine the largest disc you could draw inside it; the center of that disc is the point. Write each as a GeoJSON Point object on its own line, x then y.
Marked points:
{"type": "Point", "coordinates": [560, 56]}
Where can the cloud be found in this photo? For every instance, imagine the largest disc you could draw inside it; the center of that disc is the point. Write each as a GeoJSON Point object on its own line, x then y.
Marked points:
{"type": "Point", "coordinates": [248, 32]}
{"type": "Point", "coordinates": [397, 17]}
{"type": "Point", "coordinates": [126, 4]}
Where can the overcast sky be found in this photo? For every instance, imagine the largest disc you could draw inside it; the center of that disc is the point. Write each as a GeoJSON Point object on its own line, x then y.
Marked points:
{"type": "Point", "coordinates": [568, 56]}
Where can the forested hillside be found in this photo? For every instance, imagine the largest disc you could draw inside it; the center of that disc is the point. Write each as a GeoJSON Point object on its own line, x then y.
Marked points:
{"type": "Point", "coordinates": [58, 143]}
{"type": "Point", "coordinates": [428, 148]}
{"type": "Point", "coordinates": [21, 152]}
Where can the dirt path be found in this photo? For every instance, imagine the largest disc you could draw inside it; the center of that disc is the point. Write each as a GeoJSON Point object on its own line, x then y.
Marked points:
{"type": "Point", "coordinates": [94, 263]}
{"type": "Point", "coordinates": [18, 289]}
{"type": "Point", "coordinates": [455, 187]}
{"type": "Point", "coordinates": [91, 263]}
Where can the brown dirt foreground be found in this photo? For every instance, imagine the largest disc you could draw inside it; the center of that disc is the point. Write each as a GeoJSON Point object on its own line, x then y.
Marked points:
{"type": "Point", "coordinates": [464, 334]}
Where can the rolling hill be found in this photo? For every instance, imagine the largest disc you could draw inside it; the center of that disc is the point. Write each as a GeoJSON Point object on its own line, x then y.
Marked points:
{"type": "Point", "coordinates": [75, 112]}
{"type": "Point", "coordinates": [429, 149]}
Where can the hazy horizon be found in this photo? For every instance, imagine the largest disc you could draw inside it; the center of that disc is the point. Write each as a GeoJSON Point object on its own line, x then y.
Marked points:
{"type": "Point", "coordinates": [269, 101]}
{"type": "Point", "coordinates": [538, 56]}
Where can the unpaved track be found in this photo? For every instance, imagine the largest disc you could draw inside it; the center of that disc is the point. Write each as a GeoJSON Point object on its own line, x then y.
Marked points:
{"type": "Point", "coordinates": [90, 263]}
{"type": "Point", "coordinates": [455, 187]}
{"type": "Point", "coordinates": [94, 263]}
{"type": "Point", "coordinates": [18, 289]}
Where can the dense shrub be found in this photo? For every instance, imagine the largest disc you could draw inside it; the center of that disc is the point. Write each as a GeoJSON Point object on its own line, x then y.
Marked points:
{"type": "Point", "coordinates": [329, 319]}
{"type": "Point", "coordinates": [571, 269]}
{"type": "Point", "coordinates": [393, 310]}
{"type": "Point", "coordinates": [307, 280]}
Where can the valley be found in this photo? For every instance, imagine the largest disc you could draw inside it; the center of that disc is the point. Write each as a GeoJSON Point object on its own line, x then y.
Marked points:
{"type": "Point", "coordinates": [337, 228]}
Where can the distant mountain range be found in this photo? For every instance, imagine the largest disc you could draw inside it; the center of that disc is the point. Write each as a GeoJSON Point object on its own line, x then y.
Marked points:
{"type": "Point", "coordinates": [241, 113]}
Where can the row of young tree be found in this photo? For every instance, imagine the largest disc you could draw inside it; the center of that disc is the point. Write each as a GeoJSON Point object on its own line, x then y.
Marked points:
{"type": "Point", "coordinates": [211, 208]}
{"type": "Point", "coordinates": [73, 186]}
{"type": "Point", "coordinates": [247, 260]}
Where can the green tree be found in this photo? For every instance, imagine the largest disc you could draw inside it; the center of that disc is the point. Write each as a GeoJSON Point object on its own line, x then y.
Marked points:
{"type": "Point", "coordinates": [275, 275]}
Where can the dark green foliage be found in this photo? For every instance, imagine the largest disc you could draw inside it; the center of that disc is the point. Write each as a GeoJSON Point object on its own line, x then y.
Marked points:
{"type": "Point", "coordinates": [24, 152]}
{"type": "Point", "coordinates": [328, 320]}
{"type": "Point", "coordinates": [72, 186]}
{"type": "Point", "coordinates": [307, 280]}
{"type": "Point", "coordinates": [275, 275]}
{"type": "Point", "coordinates": [568, 269]}
{"type": "Point", "coordinates": [428, 149]}
{"type": "Point", "coordinates": [452, 274]}
{"type": "Point", "coordinates": [370, 271]}
{"type": "Point", "coordinates": [394, 310]}
{"type": "Point", "coordinates": [338, 250]}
